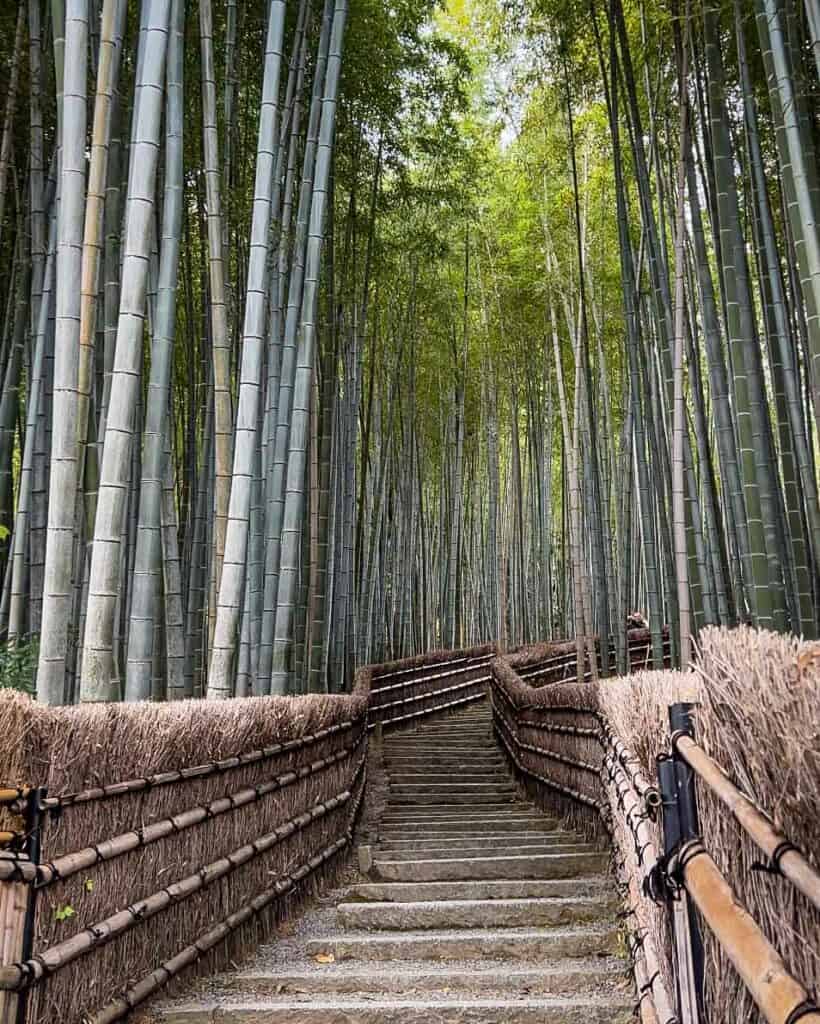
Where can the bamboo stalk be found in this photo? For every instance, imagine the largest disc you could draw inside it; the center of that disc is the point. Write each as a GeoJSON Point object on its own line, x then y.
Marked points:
{"type": "Point", "coordinates": [757, 962]}
{"type": "Point", "coordinates": [789, 861]}
{"type": "Point", "coordinates": [14, 899]}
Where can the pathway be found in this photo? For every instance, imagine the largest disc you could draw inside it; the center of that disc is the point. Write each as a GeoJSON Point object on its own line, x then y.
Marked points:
{"type": "Point", "coordinates": [476, 909]}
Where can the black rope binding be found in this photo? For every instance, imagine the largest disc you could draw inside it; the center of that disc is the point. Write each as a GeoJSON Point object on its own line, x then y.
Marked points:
{"type": "Point", "coordinates": [801, 1010]}
{"type": "Point", "coordinates": [773, 867]}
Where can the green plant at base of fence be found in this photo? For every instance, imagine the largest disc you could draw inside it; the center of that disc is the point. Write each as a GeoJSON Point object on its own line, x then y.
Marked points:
{"type": "Point", "coordinates": [18, 663]}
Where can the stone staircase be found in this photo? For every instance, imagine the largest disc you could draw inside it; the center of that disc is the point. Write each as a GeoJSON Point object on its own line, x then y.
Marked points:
{"type": "Point", "coordinates": [476, 909]}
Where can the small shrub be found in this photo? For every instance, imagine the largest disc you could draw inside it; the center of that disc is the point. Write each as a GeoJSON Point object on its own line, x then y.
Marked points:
{"type": "Point", "coordinates": [18, 665]}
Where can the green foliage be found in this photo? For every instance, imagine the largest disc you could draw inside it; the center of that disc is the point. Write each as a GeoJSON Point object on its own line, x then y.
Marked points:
{"type": "Point", "coordinates": [18, 665]}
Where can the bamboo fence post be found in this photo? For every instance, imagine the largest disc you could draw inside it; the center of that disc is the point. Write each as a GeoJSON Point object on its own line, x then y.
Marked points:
{"type": "Point", "coordinates": [14, 903]}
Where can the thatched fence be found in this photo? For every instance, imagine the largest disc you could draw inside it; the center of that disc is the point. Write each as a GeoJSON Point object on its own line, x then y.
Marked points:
{"type": "Point", "coordinates": [550, 663]}
{"type": "Point", "coordinates": [591, 753]}
{"type": "Point", "coordinates": [156, 837]}
{"type": "Point", "coordinates": [138, 841]}
{"type": "Point", "coordinates": [402, 692]}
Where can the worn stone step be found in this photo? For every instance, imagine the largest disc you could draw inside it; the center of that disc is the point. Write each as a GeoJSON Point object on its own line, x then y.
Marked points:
{"type": "Point", "coordinates": [443, 762]}
{"type": "Point", "coordinates": [562, 978]}
{"type": "Point", "coordinates": [547, 865]}
{"type": "Point", "coordinates": [439, 914]}
{"type": "Point", "coordinates": [460, 796]}
{"type": "Point", "coordinates": [431, 744]}
{"type": "Point", "coordinates": [477, 852]}
{"type": "Point", "coordinates": [443, 811]}
{"type": "Point", "coordinates": [556, 888]}
{"type": "Point", "coordinates": [463, 816]}
{"type": "Point", "coordinates": [439, 778]}
{"type": "Point", "coordinates": [466, 944]}
{"type": "Point", "coordinates": [454, 787]}
{"type": "Point", "coordinates": [461, 841]}
{"type": "Point", "coordinates": [459, 845]}
{"type": "Point", "coordinates": [411, 830]}
{"type": "Point", "coordinates": [458, 741]}
{"type": "Point", "coordinates": [462, 736]}
{"type": "Point", "coordinates": [556, 1010]}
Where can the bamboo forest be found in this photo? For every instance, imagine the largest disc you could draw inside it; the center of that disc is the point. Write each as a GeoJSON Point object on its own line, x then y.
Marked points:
{"type": "Point", "coordinates": [337, 331]}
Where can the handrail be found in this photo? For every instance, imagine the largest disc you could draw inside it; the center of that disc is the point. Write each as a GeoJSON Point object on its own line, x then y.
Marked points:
{"type": "Point", "coordinates": [781, 998]}
{"type": "Point", "coordinates": [785, 857]}
{"type": "Point", "coordinates": [686, 870]}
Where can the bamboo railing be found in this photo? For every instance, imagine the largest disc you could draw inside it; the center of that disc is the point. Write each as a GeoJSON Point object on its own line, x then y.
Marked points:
{"type": "Point", "coordinates": [564, 751]}
{"type": "Point", "coordinates": [110, 889]}
{"type": "Point", "coordinates": [403, 692]}
{"type": "Point", "coordinates": [211, 850]}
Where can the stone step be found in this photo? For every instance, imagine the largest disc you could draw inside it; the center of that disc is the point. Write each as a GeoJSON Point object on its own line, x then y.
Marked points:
{"type": "Point", "coordinates": [438, 778]}
{"type": "Point", "coordinates": [445, 810]}
{"type": "Point", "coordinates": [455, 827]}
{"type": "Point", "coordinates": [478, 852]}
{"type": "Point", "coordinates": [404, 817]}
{"type": "Point", "coordinates": [467, 944]}
{"type": "Point", "coordinates": [462, 736]}
{"type": "Point", "coordinates": [458, 845]}
{"type": "Point", "coordinates": [442, 742]}
{"type": "Point", "coordinates": [453, 787]}
{"type": "Point", "coordinates": [558, 1010]}
{"type": "Point", "coordinates": [461, 840]}
{"type": "Point", "coordinates": [426, 795]}
{"type": "Point", "coordinates": [457, 741]}
{"type": "Point", "coordinates": [412, 892]}
{"type": "Point", "coordinates": [443, 762]}
{"type": "Point", "coordinates": [515, 913]}
{"type": "Point", "coordinates": [547, 865]}
{"type": "Point", "coordinates": [564, 978]}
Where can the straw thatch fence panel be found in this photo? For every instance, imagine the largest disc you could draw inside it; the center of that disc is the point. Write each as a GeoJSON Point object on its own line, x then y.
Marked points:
{"type": "Point", "coordinates": [758, 715]}
{"type": "Point", "coordinates": [176, 835]}
{"type": "Point", "coordinates": [223, 799]}
{"type": "Point", "coordinates": [402, 692]}
{"type": "Point", "coordinates": [550, 663]}
{"type": "Point", "coordinates": [760, 719]}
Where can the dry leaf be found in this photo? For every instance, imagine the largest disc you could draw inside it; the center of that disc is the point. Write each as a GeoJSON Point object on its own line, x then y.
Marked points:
{"type": "Point", "coordinates": [325, 958]}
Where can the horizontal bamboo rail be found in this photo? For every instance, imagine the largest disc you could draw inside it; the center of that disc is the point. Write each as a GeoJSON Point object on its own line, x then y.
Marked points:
{"type": "Point", "coordinates": [427, 711]}
{"type": "Point", "coordinates": [81, 860]}
{"type": "Point", "coordinates": [563, 730]}
{"type": "Point", "coordinates": [427, 677]}
{"type": "Point", "coordinates": [552, 755]}
{"type": "Point", "coordinates": [631, 804]}
{"type": "Point", "coordinates": [202, 771]}
{"type": "Point", "coordinates": [151, 984]}
{"type": "Point", "coordinates": [148, 986]}
{"type": "Point", "coordinates": [430, 694]}
{"type": "Point", "coordinates": [22, 975]}
{"type": "Point", "coordinates": [785, 857]}
{"type": "Point", "coordinates": [472, 656]}
{"type": "Point", "coordinates": [649, 793]}
{"type": "Point", "coordinates": [17, 868]}
{"type": "Point", "coordinates": [778, 995]}
{"type": "Point", "coordinates": [550, 783]}
{"type": "Point", "coordinates": [10, 795]}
